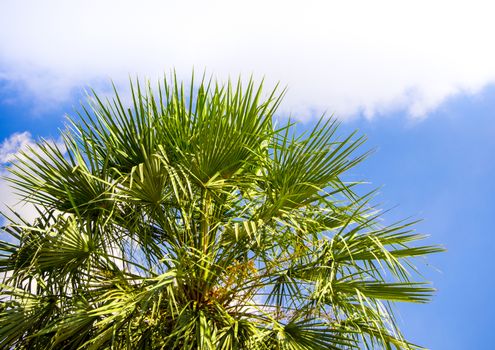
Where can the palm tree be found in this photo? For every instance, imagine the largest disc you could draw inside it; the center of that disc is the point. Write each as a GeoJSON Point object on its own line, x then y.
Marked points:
{"type": "Point", "coordinates": [191, 221]}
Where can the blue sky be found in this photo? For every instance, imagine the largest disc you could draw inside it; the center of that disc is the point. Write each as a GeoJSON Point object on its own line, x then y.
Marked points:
{"type": "Point", "coordinates": [441, 170]}
{"type": "Point", "coordinates": [418, 79]}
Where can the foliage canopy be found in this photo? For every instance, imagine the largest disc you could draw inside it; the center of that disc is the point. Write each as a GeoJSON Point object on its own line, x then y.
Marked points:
{"type": "Point", "coordinates": [191, 221]}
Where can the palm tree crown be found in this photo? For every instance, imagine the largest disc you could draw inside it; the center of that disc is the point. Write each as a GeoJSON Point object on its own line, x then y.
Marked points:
{"type": "Point", "coordinates": [191, 221]}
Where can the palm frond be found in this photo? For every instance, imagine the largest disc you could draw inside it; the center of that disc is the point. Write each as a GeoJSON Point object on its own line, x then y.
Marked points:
{"type": "Point", "coordinates": [188, 220]}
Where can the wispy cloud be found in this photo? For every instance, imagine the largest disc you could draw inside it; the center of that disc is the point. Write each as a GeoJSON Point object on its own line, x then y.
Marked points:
{"type": "Point", "coordinates": [11, 146]}
{"type": "Point", "coordinates": [339, 56]}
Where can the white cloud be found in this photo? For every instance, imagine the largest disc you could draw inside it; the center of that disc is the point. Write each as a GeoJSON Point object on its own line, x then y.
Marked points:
{"type": "Point", "coordinates": [12, 145]}
{"type": "Point", "coordinates": [11, 148]}
{"type": "Point", "coordinates": [339, 56]}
